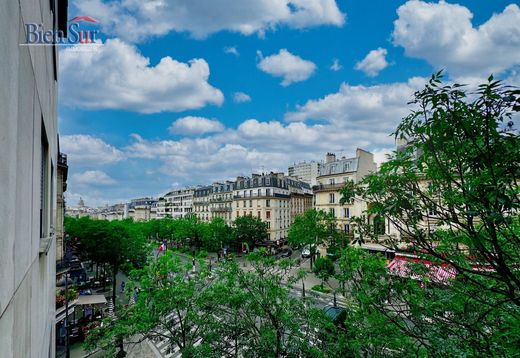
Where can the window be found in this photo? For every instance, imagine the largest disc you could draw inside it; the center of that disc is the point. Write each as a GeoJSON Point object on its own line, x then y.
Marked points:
{"type": "Point", "coordinates": [268, 225]}
{"type": "Point", "coordinates": [244, 203]}
{"type": "Point", "coordinates": [258, 215]}
{"type": "Point", "coordinates": [268, 215]}
{"type": "Point", "coordinates": [267, 192]}
{"type": "Point", "coordinates": [332, 211]}
{"type": "Point", "coordinates": [331, 198]}
{"type": "Point", "coordinates": [268, 203]}
{"type": "Point", "coordinates": [250, 193]}
{"type": "Point", "coordinates": [346, 212]}
{"type": "Point", "coordinates": [250, 203]}
{"type": "Point", "coordinates": [332, 181]}
{"type": "Point", "coordinates": [347, 228]}
{"type": "Point", "coordinates": [44, 184]}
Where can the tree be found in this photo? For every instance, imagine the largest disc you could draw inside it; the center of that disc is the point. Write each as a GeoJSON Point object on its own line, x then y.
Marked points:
{"type": "Point", "coordinates": [250, 230]}
{"type": "Point", "coordinates": [324, 269]}
{"type": "Point", "coordinates": [311, 229]}
{"type": "Point", "coordinates": [108, 242]}
{"type": "Point", "coordinates": [452, 193]}
{"type": "Point", "coordinates": [173, 304]}
{"type": "Point", "coordinates": [215, 234]}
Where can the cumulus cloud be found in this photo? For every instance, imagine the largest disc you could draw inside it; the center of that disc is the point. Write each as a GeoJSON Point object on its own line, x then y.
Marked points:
{"type": "Point", "coordinates": [84, 149]}
{"type": "Point", "coordinates": [232, 50]}
{"type": "Point", "coordinates": [373, 63]}
{"type": "Point", "coordinates": [336, 66]}
{"type": "Point", "coordinates": [195, 126]}
{"type": "Point", "coordinates": [378, 108]}
{"type": "Point", "coordinates": [92, 178]}
{"type": "Point", "coordinates": [241, 97]}
{"type": "Point", "coordinates": [135, 20]}
{"type": "Point", "coordinates": [443, 34]}
{"type": "Point", "coordinates": [288, 66]}
{"type": "Point", "coordinates": [117, 76]}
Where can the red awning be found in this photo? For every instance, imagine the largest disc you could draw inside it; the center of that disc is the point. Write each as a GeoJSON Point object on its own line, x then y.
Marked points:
{"type": "Point", "coordinates": [440, 273]}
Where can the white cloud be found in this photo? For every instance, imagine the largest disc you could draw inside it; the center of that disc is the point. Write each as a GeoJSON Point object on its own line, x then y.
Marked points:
{"type": "Point", "coordinates": [336, 66]}
{"type": "Point", "coordinates": [443, 34]}
{"type": "Point", "coordinates": [284, 64]}
{"type": "Point", "coordinates": [231, 50]}
{"type": "Point", "coordinates": [92, 178]}
{"type": "Point", "coordinates": [377, 108]}
{"type": "Point", "coordinates": [117, 76]}
{"type": "Point", "coordinates": [373, 63]}
{"type": "Point", "coordinates": [85, 149]}
{"type": "Point", "coordinates": [241, 97]}
{"type": "Point", "coordinates": [195, 126]}
{"type": "Point", "coordinates": [136, 20]}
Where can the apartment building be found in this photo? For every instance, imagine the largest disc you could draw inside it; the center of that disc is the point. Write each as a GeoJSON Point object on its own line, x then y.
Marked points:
{"type": "Point", "coordinates": [220, 201]}
{"type": "Point", "coordinates": [201, 203]}
{"type": "Point", "coordinates": [305, 171]}
{"type": "Point", "coordinates": [140, 209]}
{"type": "Point", "coordinates": [28, 177]}
{"type": "Point", "coordinates": [175, 204]}
{"type": "Point", "coordinates": [334, 173]}
{"type": "Point", "coordinates": [270, 197]}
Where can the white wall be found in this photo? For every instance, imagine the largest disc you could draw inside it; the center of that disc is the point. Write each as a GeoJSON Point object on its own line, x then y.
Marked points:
{"type": "Point", "coordinates": [27, 94]}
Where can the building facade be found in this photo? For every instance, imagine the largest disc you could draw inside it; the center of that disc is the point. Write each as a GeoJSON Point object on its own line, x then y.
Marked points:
{"type": "Point", "coordinates": [201, 203]}
{"type": "Point", "coordinates": [221, 201]}
{"type": "Point", "coordinates": [28, 172]}
{"type": "Point", "coordinates": [334, 173]}
{"type": "Point", "coordinates": [175, 204]}
{"type": "Point", "coordinates": [305, 171]}
{"type": "Point", "coordinates": [270, 197]}
{"type": "Point", "coordinates": [141, 209]}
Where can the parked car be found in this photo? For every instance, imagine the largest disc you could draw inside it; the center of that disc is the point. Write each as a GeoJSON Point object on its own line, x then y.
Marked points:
{"type": "Point", "coordinates": [285, 251]}
{"type": "Point", "coordinates": [306, 252]}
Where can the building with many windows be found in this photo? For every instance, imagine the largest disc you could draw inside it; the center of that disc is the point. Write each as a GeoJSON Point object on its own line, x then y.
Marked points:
{"type": "Point", "coordinates": [334, 173]}
{"type": "Point", "coordinates": [175, 204]}
{"type": "Point", "coordinates": [201, 203]}
{"type": "Point", "coordinates": [28, 177]}
{"type": "Point", "coordinates": [270, 197]}
{"type": "Point", "coordinates": [220, 201]}
{"type": "Point", "coordinates": [305, 171]}
{"type": "Point", "coordinates": [140, 209]}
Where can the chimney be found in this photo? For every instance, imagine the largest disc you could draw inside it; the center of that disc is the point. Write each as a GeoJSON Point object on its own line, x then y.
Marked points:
{"type": "Point", "coordinates": [330, 157]}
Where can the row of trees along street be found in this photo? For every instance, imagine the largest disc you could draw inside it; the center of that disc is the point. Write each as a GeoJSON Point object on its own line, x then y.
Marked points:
{"type": "Point", "coordinates": [451, 190]}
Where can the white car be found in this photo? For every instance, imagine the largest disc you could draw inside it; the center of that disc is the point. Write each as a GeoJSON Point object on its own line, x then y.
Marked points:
{"type": "Point", "coordinates": [306, 252]}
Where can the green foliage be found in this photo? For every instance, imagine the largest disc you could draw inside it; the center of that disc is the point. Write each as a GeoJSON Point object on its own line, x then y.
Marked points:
{"type": "Point", "coordinates": [233, 312]}
{"type": "Point", "coordinates": [324, 269]}
{"type": "Point", "coordinates": [215, 235]}
{"type": "Point", "coordinates": [452, 192]}
{"type": "Point", "coordinates": [250, 230]}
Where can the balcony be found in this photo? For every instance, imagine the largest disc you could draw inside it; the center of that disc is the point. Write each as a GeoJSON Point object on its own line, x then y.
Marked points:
{"type": "Point", "coordinates": [62, 159]}
{"type": "Point", "coordinates": [220, 209]}
{"type": "Point", "coordinates": [220, 200]}
{"type": "Point", "coordinates": [267, 196]}
{"type": "Point", "coordinates": [328, 187]}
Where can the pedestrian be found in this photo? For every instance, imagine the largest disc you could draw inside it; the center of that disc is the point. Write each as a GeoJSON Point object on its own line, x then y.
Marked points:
{"type": "Point", "coordinates": [122, 286]}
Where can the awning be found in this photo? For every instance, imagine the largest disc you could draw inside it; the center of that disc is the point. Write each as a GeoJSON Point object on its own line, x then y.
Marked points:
{"type": "Point", "coordinates": [440, 273]}
{"type": "Point", "coordinates": [91, 300]}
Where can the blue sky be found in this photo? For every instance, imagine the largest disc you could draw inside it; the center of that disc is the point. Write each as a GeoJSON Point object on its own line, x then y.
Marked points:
{"type": "Point", "coordinates": [154, 107]}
